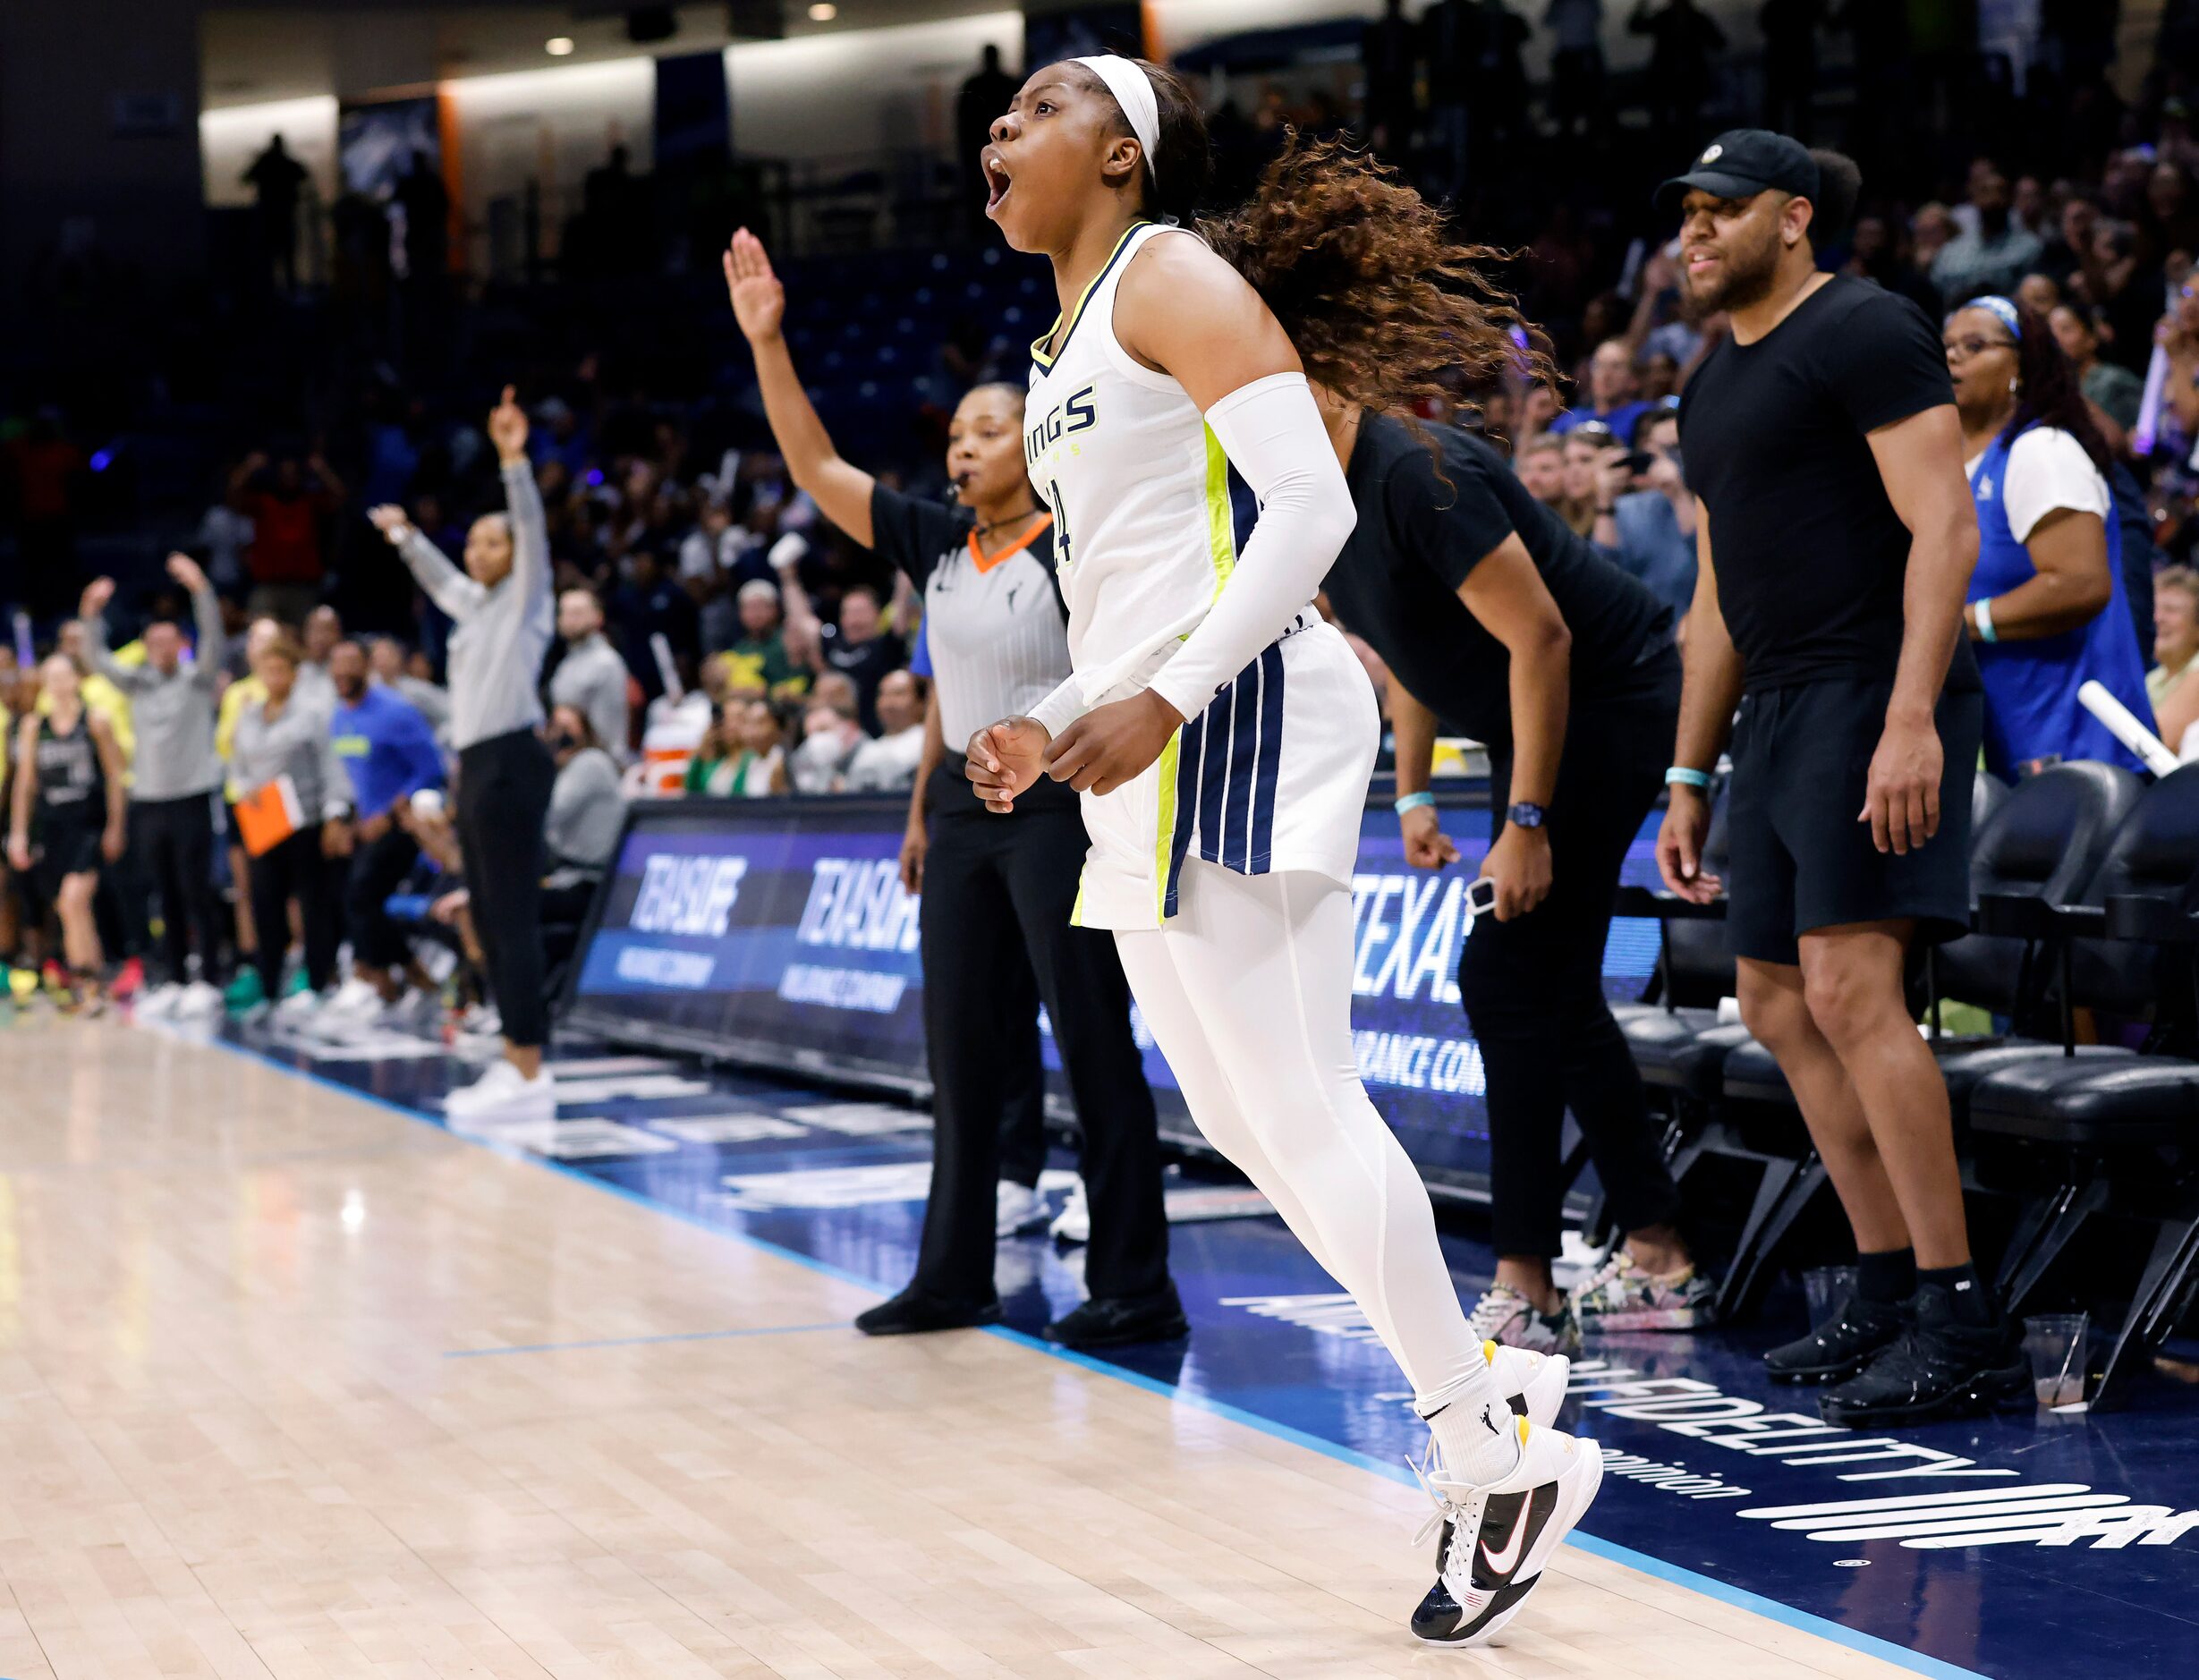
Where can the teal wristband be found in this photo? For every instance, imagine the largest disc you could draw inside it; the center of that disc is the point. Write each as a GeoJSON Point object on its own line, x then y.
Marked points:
{"type": "Point", "coordinates": [1413, 802]}
{"type": "Point", "coordinates": [1679, 776]}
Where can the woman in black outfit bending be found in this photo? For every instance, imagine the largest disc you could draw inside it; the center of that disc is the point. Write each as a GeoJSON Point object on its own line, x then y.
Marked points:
{"type": "Point", "coordinates": [994, 891]}
{"type": "Point", "coordinates": [1494, 617]}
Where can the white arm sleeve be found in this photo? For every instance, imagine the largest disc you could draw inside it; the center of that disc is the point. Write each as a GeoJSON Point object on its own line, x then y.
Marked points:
{"type": "Point", "coordinates": [1062, 708]}
{"type": "Point", "coordinates": [1271, 431]}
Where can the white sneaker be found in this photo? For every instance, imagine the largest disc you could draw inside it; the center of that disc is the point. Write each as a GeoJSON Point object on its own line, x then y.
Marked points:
{"type": "Point", "coordinates": [298, 1009]}
{"type": "Point", "coordinates": [1496, 1538]}
{"type": "Point", "coordinates": [200, 1001]}
{"type": "Point", "coordinates": [482, 1021]}
{"type": "Point", "coordinates": [158, 1003]}
{"type": "Point", "coordinates": [1072, 1224]}
{"type": "Point", "coordinates": [1534, 1383]}
{"type": "Point", "coordinates": [1016, 1208]}
{"type": "Point", "coordinates": [503, 1095]}
{"type": "Point", "coordinates": [355, 999]}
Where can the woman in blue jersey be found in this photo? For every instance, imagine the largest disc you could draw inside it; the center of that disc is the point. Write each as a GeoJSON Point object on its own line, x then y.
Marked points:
{"type": "Point", "coordinates": [2046, 613]}
{"type": "Point", "coordinates": [1222, 735]}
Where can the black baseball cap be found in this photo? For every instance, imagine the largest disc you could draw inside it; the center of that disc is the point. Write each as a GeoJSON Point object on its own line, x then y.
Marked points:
{"type": "Point", "coordinates": [1741, 162]}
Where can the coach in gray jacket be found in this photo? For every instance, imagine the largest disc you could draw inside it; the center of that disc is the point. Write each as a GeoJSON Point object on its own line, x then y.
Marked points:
{"type": "Point", "coordinates": [173, 774]}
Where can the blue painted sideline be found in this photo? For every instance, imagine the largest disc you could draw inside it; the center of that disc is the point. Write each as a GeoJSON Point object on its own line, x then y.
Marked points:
{"type": "Point", "coordinates": [642, 1341]}
{"type": "Point", "coordinates": [1709, 1586]}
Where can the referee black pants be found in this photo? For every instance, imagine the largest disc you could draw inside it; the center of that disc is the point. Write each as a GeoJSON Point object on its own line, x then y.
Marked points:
{"type": "Point", "coordinates": [1533, 987]}
{"type": "Point", "coordinates": [504, 795]}
{"type": "Point", "coordinates": [997, 894]}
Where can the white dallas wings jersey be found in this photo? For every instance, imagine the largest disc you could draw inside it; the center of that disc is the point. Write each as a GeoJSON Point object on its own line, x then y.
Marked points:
{"type": "Point", "coordinates": [1148, 520]}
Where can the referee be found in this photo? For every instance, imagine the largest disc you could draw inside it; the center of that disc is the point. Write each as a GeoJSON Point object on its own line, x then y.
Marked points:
{"type": "Point", "coordinates": [997, 635]}
{"type": "Point", "coordinates": [1837, 535]}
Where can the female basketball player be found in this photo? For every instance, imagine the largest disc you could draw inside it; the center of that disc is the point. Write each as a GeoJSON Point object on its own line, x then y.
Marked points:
{"type": "Point", "coordinates": [68, 798]}
{"type": "Point", "coordinates": [996, 895]}
{"type": "Point", "coordinates": [1223, 734]}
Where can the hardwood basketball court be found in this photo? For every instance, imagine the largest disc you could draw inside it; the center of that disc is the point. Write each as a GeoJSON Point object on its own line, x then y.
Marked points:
{"type": "Point", "coordinates": [295, 1385]}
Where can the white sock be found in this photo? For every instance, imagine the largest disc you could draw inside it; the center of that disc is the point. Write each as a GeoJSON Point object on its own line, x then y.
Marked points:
{"type": "Point", "coordinates": [1477, 1436]}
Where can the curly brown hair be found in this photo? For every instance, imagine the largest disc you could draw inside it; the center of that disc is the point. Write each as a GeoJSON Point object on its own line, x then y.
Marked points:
{"type": "Point", "coordinates": [1386, 307]}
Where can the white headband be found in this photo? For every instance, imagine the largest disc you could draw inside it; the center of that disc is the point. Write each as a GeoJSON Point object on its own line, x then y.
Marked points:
{"type": "Point", "coordinates": [1133, 91]}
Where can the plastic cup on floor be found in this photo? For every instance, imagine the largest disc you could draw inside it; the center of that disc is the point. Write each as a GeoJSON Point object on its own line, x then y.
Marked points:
{"type": "Point", "coordinates": [1824, 1287]}
{"type": "Point", "coordinates": [2055, 1343]}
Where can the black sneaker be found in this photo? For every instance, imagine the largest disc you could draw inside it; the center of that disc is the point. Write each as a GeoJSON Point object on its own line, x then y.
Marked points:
{"type": "Point", "coordinates": [1119, 1321]}
{"type": "Point", "coordinates": [1858, 1331]}
{"type": "Point", "coordinates": [914, 1311]}
{"type": "Point", "coordinates": [1938, 1367]}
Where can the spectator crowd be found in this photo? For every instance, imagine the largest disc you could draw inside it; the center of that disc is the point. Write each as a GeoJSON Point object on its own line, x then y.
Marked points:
{"type": "Point", "coordinates": [717, 636]}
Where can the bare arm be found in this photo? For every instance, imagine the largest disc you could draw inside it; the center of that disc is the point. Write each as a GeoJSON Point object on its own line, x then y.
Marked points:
{"type": "Point", "coordinates": [1712, 686]}
{"type": "Point", "coordinates": [1507, 595]}
{"type": "Point", "coordinates": [1709, 691]}
{"type": "Point", "coordinates": [2069, 552]}
{"type": "Point", "coordinates": [1413, 731]}
{"type": "Point", "coordinates": [916, 840]}
{"type": "Point", "coordinates": [841, 491]}
{"type": "Point", "coordinates": [26, 778]}
{"type": "Point", "coordinates": [112, 769]}
{"type": "Point", "coordinates": [1920, 462]}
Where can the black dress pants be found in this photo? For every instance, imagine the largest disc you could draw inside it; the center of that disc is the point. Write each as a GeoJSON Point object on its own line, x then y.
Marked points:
{"type": "Point", "coordinates": [378, 868]}
{"type": "Point", "coordinates": [295, 869]}
{"type": "Point", "coordinates": [1533, 987]}
{"type": "Point", "coordinates": [504, 794]}
{"type": "Point", "coordinates": [997, 894]}
{"type": "Point", "coordinates": [174, 842]}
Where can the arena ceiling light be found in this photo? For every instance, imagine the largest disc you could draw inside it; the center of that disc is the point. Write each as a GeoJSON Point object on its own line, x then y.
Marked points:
{"type": "Point", "coordinates": [558, 45]}
{"type": "Point", "coordinates": [823, 11]}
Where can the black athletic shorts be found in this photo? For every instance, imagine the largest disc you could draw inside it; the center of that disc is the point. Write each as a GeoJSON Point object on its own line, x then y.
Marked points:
{"type": "Point", "coordinates": [64, 849]}
{"type": "Point", "coordinates": [1800, 861]}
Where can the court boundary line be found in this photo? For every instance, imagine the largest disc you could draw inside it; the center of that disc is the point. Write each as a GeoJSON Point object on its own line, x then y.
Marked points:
{"type": "Point", "coordinates": [1610, 1552]}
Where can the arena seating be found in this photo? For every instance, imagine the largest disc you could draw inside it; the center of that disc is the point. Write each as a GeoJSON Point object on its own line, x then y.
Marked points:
{"type": "Point", "coordinates": [2086, 886]}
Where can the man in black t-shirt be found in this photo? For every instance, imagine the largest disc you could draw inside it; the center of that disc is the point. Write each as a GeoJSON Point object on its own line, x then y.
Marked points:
{"type": "Point", "coordinates": [1837, 533]}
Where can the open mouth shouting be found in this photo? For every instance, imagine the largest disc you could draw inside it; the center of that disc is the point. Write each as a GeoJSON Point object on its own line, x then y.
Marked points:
{"type": "Point", "coordinates": [997, 181]}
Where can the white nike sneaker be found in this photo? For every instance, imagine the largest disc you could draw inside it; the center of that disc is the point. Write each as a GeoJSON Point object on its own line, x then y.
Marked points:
{"type": "Point", "coordinates": [158, 1003]}
{"type": "Point", "coordinates": [1534, 1383]}
{"type": "Point", "coordinates": [1016, 1208]}
{"type": "Point", "coordinates": [1496, 1538]}
{"type": "Point", "coordinates": [1072, 1224]}
{"type": "Point", "coordinates": [502, 1096]}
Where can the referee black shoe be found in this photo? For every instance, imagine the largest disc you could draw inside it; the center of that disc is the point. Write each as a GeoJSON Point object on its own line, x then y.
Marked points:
{"type": "Point", "coordinates": [913, 1311]}
{"type": "Point", "coordinates": [1938, 1367]}
{"type": "Point", "coordinates": [1120, 1320]}
{"type": "Point", "coordinates": [1857, 1333]}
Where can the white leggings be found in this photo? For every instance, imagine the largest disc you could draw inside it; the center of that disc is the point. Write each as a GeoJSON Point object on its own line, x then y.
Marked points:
{"type": "Point", "coordinates": [1248, 991]}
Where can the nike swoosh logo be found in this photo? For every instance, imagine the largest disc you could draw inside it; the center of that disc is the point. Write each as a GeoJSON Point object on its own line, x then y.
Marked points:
{"type": "Point", "coordinates": [1504, 1562]}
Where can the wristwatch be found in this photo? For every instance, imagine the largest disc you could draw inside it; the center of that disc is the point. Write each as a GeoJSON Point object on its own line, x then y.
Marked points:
{"type": "Point", "coordinates": [1523, 814]}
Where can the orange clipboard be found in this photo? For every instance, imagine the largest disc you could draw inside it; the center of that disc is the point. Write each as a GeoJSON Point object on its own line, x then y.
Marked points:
{"type": "Point", "coordinates": [269, 816]}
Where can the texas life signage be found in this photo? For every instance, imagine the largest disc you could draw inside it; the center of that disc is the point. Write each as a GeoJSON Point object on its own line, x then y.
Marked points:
{"type": "Point", "coordinates": [776, 933]}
